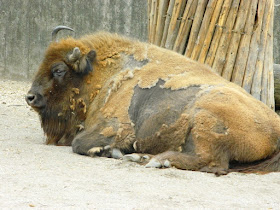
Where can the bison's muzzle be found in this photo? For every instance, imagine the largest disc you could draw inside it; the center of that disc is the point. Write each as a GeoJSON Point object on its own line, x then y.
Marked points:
{"type": "Point", "coordinates": [35, 100]}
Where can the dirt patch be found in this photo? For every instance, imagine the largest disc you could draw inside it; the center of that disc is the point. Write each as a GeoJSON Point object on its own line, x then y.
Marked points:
{"type": "Point", "coordinates": [33, 174]}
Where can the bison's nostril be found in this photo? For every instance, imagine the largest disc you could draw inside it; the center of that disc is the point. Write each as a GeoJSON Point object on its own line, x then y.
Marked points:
{"type": "Point", "coordinates": [30, 98]}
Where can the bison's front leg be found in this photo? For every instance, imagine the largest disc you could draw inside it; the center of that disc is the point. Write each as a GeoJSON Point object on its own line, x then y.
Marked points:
{"type": "Point", "coordinates": [92, 143]}
{"type": "Point", "coordinates": [106, 151]}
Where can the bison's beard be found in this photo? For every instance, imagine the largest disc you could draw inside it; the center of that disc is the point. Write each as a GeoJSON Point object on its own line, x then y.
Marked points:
{"type": "Point", "coordinates": [59, 127]}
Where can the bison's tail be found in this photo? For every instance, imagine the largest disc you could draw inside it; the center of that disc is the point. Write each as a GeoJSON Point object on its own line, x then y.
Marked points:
{"type": "Point", "coordinates": [271, 164]}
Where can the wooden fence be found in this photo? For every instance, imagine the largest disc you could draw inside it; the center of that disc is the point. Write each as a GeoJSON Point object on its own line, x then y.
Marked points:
{"type": "Point", "coordinates": [234, 37]}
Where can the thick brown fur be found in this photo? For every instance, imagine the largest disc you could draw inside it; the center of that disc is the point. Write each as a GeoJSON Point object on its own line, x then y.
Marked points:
{"type": "Point", "coordinates": [215, 122]}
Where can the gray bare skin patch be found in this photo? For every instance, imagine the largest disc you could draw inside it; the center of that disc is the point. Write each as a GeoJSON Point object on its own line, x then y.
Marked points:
{"type": "Point", "coordinates": [189, 146]}
{"type": "Point", "coordinates": [151, 108]}
{"type": "Point", "coordinates": [131, 63]}
{"type": "Point", "coordinates": [220, 128]}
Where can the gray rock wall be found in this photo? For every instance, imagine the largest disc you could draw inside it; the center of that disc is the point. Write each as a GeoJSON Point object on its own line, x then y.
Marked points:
{"type": "Point", "coordinates": [26, 25]}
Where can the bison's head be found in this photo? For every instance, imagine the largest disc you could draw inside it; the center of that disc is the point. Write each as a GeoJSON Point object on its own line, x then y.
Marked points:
{"type": "Point", "coordinates": [58, 89]}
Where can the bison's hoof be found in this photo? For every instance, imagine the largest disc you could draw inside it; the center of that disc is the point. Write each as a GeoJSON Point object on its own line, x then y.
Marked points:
{"type": "Point", "coordinates": [218, 171]}
{"type": "Point", "coordinates": [132, 157]}
{"type": "Point", "coordinates": [139, 158]}
{"type": "Point", "coordinates": [154, 163]}
{"type": "Point", "coordinates": [116, 153]}
{"type": "Point", "coordinates": [167, 164]}
{"type": "Point", "coordinates": [95, 151]}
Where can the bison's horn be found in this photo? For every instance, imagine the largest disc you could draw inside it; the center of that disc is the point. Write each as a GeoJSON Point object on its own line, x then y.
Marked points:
{"type": "Point", "coordinates": [57, 29]}
{"type": "Point", "coordinates": [75, 55]}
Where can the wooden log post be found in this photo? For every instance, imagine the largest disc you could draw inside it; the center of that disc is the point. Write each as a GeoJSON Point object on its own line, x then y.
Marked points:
{"type": "Point", "coordinates": [269, 64]}
{"type": "Point", "coordinates": [162, 9]}
{"type": "Point", "coordinates": [153, 19]}
{"type": "Point", "coordinates": [234, 37]}
{"type": "Point", "coordinates": [185, 26]}
{"type": "Point", "coordinates": [220, 28]}
{"type": "Point", "coordinates": [218, 59]}
{"type": "Point", "coordinates": [244, 46]}
{"type": "Point", "coordinates": [260, 70]}
{"type": "Point", "coordinates": [252, 59]}
{"type": "Point", "coordinates": [175, 23]}
{"type": "Point", "coordinates": [276, 70]}
{"type": "Point", "coordinates": [196, 26]}
{"type": "Point", "coordinates": [205, 26]}
{"type": "Point", "coordinates": [167, 22]}
{"type": "Point", "coordinates": [211, 29]}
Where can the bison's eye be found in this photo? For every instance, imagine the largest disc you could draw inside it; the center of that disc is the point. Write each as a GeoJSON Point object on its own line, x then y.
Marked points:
{"type": "Point", "coordinates": [58, 73]}
{"type": "Point", "coordinates": [59, 69]}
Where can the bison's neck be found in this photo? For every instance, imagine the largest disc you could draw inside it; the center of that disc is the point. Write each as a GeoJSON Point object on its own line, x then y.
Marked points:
{"type": "Point", "coordinates": [57, 125]}
{"type": "Point", "coordinates": [62, 121]}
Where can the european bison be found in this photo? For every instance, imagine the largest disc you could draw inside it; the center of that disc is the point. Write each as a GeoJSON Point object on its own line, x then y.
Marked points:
{"type": "Point", "coordinates": [107, 95]}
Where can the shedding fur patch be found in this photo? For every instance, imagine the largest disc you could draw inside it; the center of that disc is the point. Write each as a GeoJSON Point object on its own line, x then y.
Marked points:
{"type": "Point", "coordinates": [108, 132]}
{"type": "Point", "coordinates": [117, 82]}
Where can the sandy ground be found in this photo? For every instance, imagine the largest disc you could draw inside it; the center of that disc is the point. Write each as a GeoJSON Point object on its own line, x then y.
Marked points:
{"type": "Point", "coordinates": [33, 174]}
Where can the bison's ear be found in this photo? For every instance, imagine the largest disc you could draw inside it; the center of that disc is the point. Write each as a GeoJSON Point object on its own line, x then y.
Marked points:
{"type": "Point", "coordinates": [81, 63]}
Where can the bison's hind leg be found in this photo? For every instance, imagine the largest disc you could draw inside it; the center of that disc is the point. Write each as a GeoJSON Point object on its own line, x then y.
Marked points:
{"type": "Point", "coordinates": [178, 160]}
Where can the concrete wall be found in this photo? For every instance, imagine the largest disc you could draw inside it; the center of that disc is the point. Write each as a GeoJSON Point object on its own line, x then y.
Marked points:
{"type": "Point", "coordinates": [26, 25]}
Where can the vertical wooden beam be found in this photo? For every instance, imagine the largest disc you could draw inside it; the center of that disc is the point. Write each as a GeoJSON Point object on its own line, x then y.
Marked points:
{"type": "Point", "coordinates": [259, 66]}
{"type": "Point", "coordinates": [196, 26]}
{"type": "Point", "coordinates": [219, 58]}
{"type": "Point", "coordinates": [175, 23]}
{"type": "Point", "coordinates": [215, 31]}
{"type": "Point", "coordinates": [235, 40]}
{"type": "Point", "coordinates": [269, 64]}
{"type": "Point", "coordinates": [153, 19]}
{"type": "Point", "coordinates": [167, 22]}
{"type": "Point", "coordinates": [162, 9]}
{"type": "Point", "coordinates": [208, 14]}
{"type": "Point", "coordinates": [185, 27]}
{"type": "Point", "coordinates": [244, 46]}
{"type": "Point", "coordinates": [253, 54]}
